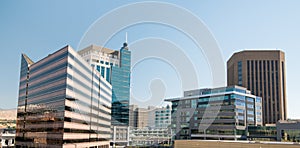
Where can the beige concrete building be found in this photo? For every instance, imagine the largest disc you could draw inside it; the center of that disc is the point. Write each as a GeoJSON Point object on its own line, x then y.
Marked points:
{"type": "Point", "coordinates": [138, 117]}
{"type": "Point", "coordinates": [154, 117]}
{"type": "Point", "coordinates": [132, 115]}
{"type": "Point", "coordinates": [142, 117]}
{"type": "Point", "coordinates": [262, 72]}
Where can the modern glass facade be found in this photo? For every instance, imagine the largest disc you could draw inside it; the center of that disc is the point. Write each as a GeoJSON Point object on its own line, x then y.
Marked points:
{"type": "Point", "coordinates": [120, 81]}
{"type": "Point", "coordinates": [163, 117]}
{"type": "Point", "coordinates": [262, 133]}
{"type": "Point", "coordinates": [63, 102]}
{"type": "Point", "coordinates": [220, 113]}
{"type": "Point", "coordinates": [115, 67]}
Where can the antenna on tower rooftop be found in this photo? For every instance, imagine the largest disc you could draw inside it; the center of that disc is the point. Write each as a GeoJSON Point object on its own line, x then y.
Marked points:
{"type": "Point", "coordinates": [126, 41]}
{"type": "Point", "coordinates": [125, 44]}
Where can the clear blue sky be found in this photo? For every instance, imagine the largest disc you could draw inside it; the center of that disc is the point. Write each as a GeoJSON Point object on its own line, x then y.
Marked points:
{"type": "Point", "coordinates": [38, 28]}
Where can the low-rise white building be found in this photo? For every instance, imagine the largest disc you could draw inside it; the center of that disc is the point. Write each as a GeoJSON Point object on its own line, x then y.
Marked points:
{"type": "Point", "coordinates": [120, 136]}
{"type": "Point", "coordinates": [149, 136]}
{"type": "Point", "coordinates": [7, 137]}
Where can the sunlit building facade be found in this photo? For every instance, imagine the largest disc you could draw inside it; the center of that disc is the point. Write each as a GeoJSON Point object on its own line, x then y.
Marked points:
{"type": "Point", "coordinates": [138, 117]}
{"type": "Point", "coordinates": [63, 102]}
{"type": "Point", "coordinates": [218, 113]}
{"type": "Point", "coordinates": [114, 66]}
{"type": "Point", "coordinates": [263, 72]}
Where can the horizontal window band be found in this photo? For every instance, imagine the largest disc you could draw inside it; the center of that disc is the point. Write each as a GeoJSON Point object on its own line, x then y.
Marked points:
{"type": "Point", "coordinates": [88, 122]}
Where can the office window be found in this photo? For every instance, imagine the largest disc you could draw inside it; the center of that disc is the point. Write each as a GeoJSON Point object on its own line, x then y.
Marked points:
{"type": "Point", "coordinates": [250, 100]}
{"type": "Point", "coordinates": [108, 74]}
{"type": "Point", "coordinates": [248, 74]}
{"type": "Point", "coordinates": [240, 110]}
{"type": "Point", "coordinates": [258, 99]}
{"type": "Point", "coordinates": [240, 76]}
{"type": "Point", "coordinates": [283, 83]}
{"type": "Point", "coordinates": [250, 112]}
{"type": "Point", "coordinates": [265, 81]}
{"type": "Point", "coordinates": [239, 103]}
{"type": "Point", "coordinates": [196, 112]}
{"type": "Point", "coordinates": [249, 106]}
{"type": "Point", "coordinates": [260, 78]}
{"type": "Point", "coordinates": [258, 119]}
{"type": "Point", "coordinates": [277, 85]}
{"type": "Point", "coordinates": [250, 118]}
{"type": "Point", "coordinates": [240, 117]}
{"type": "Point", "coordinates": [256, 77]}
{"type": "Point", "coordinates": [194, 104]}
{"type": "Point", "coordinates": [102, 71]}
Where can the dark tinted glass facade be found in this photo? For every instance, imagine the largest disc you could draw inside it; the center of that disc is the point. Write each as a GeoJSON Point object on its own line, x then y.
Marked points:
{"type": "Point", "coordinates": [120, 81]}
{"type": "Point", "coordinates": [63, 102]}
{"type": "Point", "coordinates": [262, 133]}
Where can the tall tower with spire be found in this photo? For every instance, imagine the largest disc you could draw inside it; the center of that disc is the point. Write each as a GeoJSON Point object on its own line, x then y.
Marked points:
{"type": "Point", "coordinates": [114, 66]}
{"type": "Point", "coordinates": [120, 80]}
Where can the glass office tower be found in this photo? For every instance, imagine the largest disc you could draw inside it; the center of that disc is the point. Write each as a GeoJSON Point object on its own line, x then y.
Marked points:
{"type": "Point", "coordinates": [114, 66]}
{"type": "Point", "coordinates": [219, 113]}
{"type": "Point", "coordinates": [120, 81]}
{"type": "Point", "coordinates": [63, 102]}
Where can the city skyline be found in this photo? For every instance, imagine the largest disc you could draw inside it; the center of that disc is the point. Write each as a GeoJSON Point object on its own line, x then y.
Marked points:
{"type": "Point", "coordinates": [30, 32]}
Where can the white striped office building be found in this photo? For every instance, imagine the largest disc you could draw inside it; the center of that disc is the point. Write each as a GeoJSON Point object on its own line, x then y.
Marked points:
{"type": "Point", "coordinates": [63, 102]}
